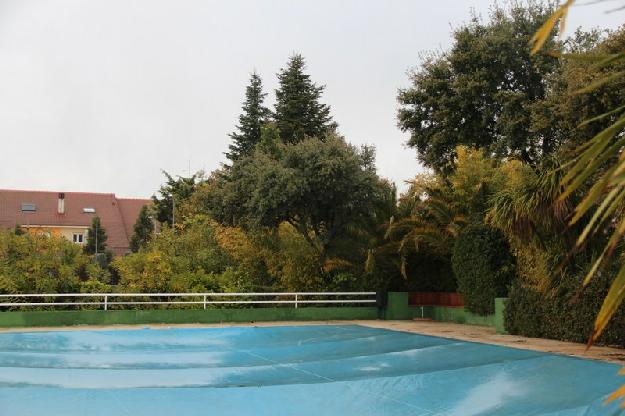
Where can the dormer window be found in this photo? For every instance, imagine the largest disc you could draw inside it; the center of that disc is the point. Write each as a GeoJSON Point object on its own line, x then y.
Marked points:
{"type": "Point", "coordinates": [29, 207]}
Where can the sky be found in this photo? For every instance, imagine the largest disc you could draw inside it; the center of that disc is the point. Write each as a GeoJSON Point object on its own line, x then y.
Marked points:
{"type": "Point", "coordinates": [100, 95]}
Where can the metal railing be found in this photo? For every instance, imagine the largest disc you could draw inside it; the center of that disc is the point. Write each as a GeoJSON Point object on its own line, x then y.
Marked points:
{"type": "Point", "coordinates": [105, 300]}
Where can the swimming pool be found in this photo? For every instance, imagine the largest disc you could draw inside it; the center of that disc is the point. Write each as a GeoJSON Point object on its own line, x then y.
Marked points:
{"type": "Point", "coordinates": [289, 370]}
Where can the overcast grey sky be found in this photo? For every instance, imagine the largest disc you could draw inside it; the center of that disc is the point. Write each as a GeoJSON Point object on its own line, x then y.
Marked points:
{"type": "Point", "coordinates": [99, 95]}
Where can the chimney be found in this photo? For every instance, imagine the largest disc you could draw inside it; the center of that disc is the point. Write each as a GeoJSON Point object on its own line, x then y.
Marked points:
{"type": "Point", "coordinates": [61, 204]}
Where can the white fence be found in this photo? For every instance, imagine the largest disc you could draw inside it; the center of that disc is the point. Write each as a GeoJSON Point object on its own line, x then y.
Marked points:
{"type": "Point", "coordinates": [105, 300]}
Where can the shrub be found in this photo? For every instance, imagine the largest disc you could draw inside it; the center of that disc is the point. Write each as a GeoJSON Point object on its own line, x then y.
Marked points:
{"type": "Point", "coordinates": [524, 311]}
{"type": "Point", "coordinates": [39, 264]}
{"type": "Point", "coordinates": [564, 311]}
{"type": "Point", "coordinates": [483, 266]}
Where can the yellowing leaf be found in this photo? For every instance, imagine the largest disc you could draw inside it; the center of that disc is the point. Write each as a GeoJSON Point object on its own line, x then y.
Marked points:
{"type": "Point", "coordinates": [616, 394]}
{"type": "Point", "coordinates": [612, 301]}
{"type": "Point", "coordinates": [542, 34]}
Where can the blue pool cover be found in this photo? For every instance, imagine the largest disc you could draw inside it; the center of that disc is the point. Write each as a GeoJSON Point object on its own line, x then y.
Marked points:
{"type": "Point", "coordinates": [304, 370]}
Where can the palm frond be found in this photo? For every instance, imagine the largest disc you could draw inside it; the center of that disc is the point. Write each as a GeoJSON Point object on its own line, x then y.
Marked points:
{"type": "Point", "coordinates": [336, 264]}
{"type": "Point", "coordinates": [542, 34]}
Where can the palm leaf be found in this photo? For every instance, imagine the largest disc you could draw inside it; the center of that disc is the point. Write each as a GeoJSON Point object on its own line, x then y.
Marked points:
{"type": "Point", "coordinates": [602, 116]}
{"type": "Point", "coordinates": [609, 59]}
{"type": "Point", "coordinates": [336, 264]}
{"type": "Point", "coordinates": [370, 262]}
{"type": "Point", "coordinates": [542, 34]}
{"type": "Point", "coordinates": [593, 157]}
{"type": "Point", "coordinates": [402, 267]}
{"type": "Point", "coordinates": [593, 154]}
{"type": "Point", "coordinates": [613, 299]}
{"type": "Point", "coordinates": [600, 82]}
{"type": "Point", "coordinates": [617, 394]}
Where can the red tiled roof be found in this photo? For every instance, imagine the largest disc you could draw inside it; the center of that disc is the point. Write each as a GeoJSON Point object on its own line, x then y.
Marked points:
{"type": "Point", "coordinates": [117, 215]}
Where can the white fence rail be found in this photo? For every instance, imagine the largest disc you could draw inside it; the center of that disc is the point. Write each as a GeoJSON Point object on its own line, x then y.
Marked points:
{"type": "Point", "coordinates": [105, 300]}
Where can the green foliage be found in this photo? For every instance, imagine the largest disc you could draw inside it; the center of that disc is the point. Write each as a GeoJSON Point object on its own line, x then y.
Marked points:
{"type": "Point", "coordinates": [174, 192]}
{"type": "Point", "coordinates": [433, 226]}
{"type": "Point", "coordinates": [481, 93]}
{"type": "Point", "coordinates": [98, 280]}
{"type": "Point", "coordinates": [428, 273]}
{"type": "Point", "coordinates": [143, 230]}
{"type": "Point", "coordinates": [37, 264]}
{"type": "Point", "coordinates": [317, 187]}
{"type": "Point", "coordinates": [96, 237]}
{"type": "Point", "coordinates": [598, 162]}
{"type": "Point", "coordinates": [472, 183]}
{"type": "Point", "coordinates": [525, 312]}
{"type": "Point", "coordinates": [483, 266]}
{"type": "Point", "coordinates": [186, 260]}
{"type": "Point", "coordinates": [294, 262]}
{"type": "Point", "coordinates": [255, 115]}
{"type": "Point", "coordinates": [564, 311]}
{"type": "Point", "coordinates": [599, 159]}
{"type": "Point", "coordinates": [432, 213]}
{"type": "Point", "coordinates": [298, 112]}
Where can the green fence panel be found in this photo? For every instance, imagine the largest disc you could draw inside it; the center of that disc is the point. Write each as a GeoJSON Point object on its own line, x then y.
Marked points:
{"type": "Point", "coordinates": [397, 306]}
{"type": "Point", "coordinates": [181, 316]}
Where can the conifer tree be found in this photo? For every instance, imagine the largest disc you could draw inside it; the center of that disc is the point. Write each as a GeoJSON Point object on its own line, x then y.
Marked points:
{"type": "Point", "coordinates": [253, 117]}
{"type": "Point", "coordinates": [143, 230]}
{"type": "Point", "coordinates": [298, 112]}
{"type": "Point", "coordinates": [96, 233]}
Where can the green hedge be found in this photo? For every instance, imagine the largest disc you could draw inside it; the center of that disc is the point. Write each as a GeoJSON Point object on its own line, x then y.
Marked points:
{"type": "Point", "coordinates": [483, 266]}
{"type": "Point", "coordinates": [564, 312]}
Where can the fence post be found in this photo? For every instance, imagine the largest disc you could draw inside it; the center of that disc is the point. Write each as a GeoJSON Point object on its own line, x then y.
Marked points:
{"type": "Point", "coordinates": [204, 301]}
{"type": "Point", "coordinates": [106, 301]}
{"type": "Point", "coordinates": [296, 301]}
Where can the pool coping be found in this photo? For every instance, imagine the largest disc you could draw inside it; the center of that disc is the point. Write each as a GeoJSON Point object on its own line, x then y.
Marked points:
{"type": "Point", "coordinates": [463, 332]}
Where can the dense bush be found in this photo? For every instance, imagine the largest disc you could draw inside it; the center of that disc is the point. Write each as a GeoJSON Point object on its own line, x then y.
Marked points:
{"type": "Point", "coordinates": [563, 312]}
{"type": "Point", "coordinates": [188, 259]}
{"type": "Point", "coordinates": [483, 267]}
{"type": "Point", "coordinates": [428, 274]}
{"type": "Point", "coordinates": [40, 264]}
{"type": "Point", "coordinates": [524, 311]}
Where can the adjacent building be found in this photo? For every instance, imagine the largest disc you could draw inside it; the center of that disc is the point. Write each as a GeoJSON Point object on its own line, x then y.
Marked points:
{"type": "Point", "coordinates": [69, 214]}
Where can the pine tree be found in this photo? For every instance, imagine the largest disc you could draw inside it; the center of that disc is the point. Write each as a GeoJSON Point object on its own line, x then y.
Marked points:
{"type": "Point", "coordinates": [254, 116]}
{"type": "Point", "coordinates": [298, 112]}
{"type": "Point", "coordinates": [96, 229]}
{"type": "Point", "coordinates": [143, 229]}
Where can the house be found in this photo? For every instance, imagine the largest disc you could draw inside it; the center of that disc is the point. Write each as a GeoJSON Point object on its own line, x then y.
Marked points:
{"type": "Point", "coordinates": [69, 214]}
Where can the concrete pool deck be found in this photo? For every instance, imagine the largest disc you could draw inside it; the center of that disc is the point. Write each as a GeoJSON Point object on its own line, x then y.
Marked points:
{"type": "Point", "coordinates": [462, 332]}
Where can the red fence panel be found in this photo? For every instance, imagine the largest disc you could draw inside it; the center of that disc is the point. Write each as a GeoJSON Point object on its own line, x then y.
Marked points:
{"type": "Point", "coordinates": [450, 299]}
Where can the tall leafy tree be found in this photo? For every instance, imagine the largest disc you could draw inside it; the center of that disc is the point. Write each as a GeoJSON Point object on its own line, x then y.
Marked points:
{"type": "Point", "coordinates": [320, 188]}
{"type": "Point", "coordinates": [251, 120]}
{"type": "Point", "coordinates": [96, 237]}
{"type": "Point", "coordinates": [174, 192]}
{"type": "Point", "coordinates": [298, 111]}
{"type": "Point", "coordinates": [482, 92]}
{"type": "Point", "coordinates": [143, 230]}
